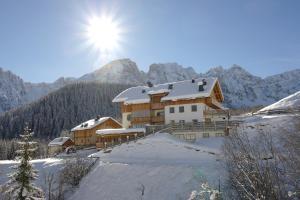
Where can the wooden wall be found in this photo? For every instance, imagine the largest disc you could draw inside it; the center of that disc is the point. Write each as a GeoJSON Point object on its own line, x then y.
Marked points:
{"type": "Point", "coordinates": [87, 137]}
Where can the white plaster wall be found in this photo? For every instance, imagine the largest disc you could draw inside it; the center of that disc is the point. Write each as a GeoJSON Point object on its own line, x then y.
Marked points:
{"type": "Point", "coordinates": [125, 122]}
{"type": "Point", "coordinates": [187, 115]}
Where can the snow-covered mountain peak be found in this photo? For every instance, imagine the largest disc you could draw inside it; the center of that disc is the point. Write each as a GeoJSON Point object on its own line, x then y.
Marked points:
{"type": "Point", "coordinates": [169, 72]}
{"type": "Point", "coordinates": [117, 71]}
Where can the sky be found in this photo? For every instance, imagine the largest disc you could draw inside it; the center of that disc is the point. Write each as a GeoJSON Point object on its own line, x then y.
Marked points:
{"type": "Point", "coordinates": [45, 40]}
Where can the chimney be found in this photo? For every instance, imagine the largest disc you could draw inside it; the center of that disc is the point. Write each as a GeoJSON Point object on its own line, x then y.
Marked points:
{"type": "Point", "coordinates": [200, 86]}
{"type": "Point", "coordinates": [149, 84]}
{"type": "Point", "coordinates": [97, 118]}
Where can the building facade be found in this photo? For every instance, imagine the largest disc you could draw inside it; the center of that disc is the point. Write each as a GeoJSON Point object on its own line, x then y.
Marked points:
{"type": "Point", "coordinates": [85, 133]}
{"type": "Point", "coordinates": [190, 101]}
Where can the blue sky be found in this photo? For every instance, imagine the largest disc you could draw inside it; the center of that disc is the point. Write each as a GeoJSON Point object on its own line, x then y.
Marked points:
{"type": "Point", "coordinates": [44, 40]}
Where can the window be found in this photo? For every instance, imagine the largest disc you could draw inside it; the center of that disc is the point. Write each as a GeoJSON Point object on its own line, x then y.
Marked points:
{"type": "Point", "coordinates": [190, 137]}
{"type": "Point", "coordinates": [194, 108]}
{"type": "Point", "coordinates": [195, 121]}
{"type": "Point", "coordinates": [181, 109]}
{"type": "Point", "coordinates": [172, 110]}
{"type": "Point", "coordinates": [219, 134]}
{"type": "Point", "coordinates": [172, 121]}
{"type": "Point", "coordinates": [129, 117]}
{"type": "Point", "coordinates": [181, 122]}
{"type": "Point", "coordinates": [205, 135]}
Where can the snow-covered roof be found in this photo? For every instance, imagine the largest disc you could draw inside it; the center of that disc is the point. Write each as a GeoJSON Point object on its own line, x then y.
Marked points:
{"type": "Point", "coordinates": [120, 131]}
{"type": "Point", "coordinates": [92, 123]}
{"type": "Point", "coordinates": [175, 91]}
{"type": "Point", "coordinates": [58, 141]}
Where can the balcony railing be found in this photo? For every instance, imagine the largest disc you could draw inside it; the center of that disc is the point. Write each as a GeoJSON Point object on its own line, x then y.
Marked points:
{"type": "Point", "coordinates": [140, 120]}
{"type": "Point", "coordinates": [158, 119]}
{"type": "Point", "coordinates": [157, 106]}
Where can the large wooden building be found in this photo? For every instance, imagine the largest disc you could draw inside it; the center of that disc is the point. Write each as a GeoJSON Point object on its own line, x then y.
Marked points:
{"type": "Point", "coordinates": [111, 137]}
{"type": "Point", "coordinates": [85, 133]}
{"type": "Point", "coordinates": [183, 102]}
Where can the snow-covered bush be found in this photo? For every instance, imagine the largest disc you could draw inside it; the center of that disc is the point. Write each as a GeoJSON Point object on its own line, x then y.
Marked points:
{"type": "Point", "coordinates": [205, 193]}
{"type": "Point", "coordinates": [75, 169]}
{"type": "Point", "coordinates": [20, 186]}
{"type": "Point", "coordinates": [260, 167]}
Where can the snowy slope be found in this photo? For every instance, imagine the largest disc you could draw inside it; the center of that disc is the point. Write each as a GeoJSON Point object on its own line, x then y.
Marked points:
{"type": "Point", "coordinates": [290, 102]}
{"type": "Point", "coordinates": [167, 168]}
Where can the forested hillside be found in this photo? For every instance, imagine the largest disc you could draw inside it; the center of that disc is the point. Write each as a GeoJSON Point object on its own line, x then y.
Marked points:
{"type": "Point", "coordinates": [62, 109]}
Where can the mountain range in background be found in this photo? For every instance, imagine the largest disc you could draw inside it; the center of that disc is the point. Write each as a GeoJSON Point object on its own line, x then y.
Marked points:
{"type": "Point", "coordinates": [240, 88]}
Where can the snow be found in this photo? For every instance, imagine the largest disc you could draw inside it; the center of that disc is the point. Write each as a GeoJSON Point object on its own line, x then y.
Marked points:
{"type": "Point", "coordinates": [166, 167]}
{"type": "Point", "coordinates": [289, 102]}
{"type": "Point", "coordinates": [44, 166]}
{"type": "Point", "coordinates": [181, 90]}
{"type": "Point", "coordinates": [120, 131]}
{"type": "Point", "coordinates": [92, 123]}
{"type": "Point", "coordinates": [58, 141]}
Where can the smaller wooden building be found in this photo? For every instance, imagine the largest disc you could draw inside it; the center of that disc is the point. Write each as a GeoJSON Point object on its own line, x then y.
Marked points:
{"type": "Point", "coordinates": [111, 137]}
{"type": "Point", "coordinates": [85, 133]}
{"type": "Point", "coordinates": [59, 145]}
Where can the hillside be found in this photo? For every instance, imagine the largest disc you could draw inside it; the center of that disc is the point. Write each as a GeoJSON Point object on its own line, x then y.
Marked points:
{"type": "Point", "coordinates": [240, 88]}
{"type": "Point", "coordinates": [159, 166]}
{"type": "Point", "coordinates": [291, 102]}
{"type": "Point", "coordinates": [62, 109]}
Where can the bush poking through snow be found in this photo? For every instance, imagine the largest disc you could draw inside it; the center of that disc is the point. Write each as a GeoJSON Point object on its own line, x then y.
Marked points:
{"type": "Point", "coordinates": [20, 186]}
{"type": "Point", "coordinates": [205, 193]}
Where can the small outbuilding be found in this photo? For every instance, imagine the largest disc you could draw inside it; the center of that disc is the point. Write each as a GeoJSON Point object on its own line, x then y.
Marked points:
{"type": "Point", "coordinates": [110, 137]}
{"type": "Point", "coordinates": [85, 133]}
{"type": "Point", "coordinates": [59, 145]}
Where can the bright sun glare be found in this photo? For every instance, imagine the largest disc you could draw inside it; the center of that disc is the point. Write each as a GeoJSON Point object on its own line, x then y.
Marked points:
{"type": "Point", "coordinates": [103, 33]}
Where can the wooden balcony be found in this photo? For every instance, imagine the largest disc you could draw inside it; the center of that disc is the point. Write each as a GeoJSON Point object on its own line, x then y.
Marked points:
{"type": "Point", "coordinates": [140, 120]}
{"type": "Point", "coordinates": [215, 113]}
{"type": "Point", "coordinates": [158, 119]}
{"type": "Point", "coordinates": [157, 106]}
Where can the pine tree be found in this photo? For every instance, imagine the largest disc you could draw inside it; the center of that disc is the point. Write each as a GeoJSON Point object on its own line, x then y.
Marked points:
{"type": "Point", "coordinates": [20, 186]}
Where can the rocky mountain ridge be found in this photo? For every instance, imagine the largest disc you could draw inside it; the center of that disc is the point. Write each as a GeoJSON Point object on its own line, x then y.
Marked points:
{"type": "Point", "coordinates": [240, 88]}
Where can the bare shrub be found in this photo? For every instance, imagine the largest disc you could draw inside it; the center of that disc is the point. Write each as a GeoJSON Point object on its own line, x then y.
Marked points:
{"type": "Point", "coordinates": [257, 167]}
{"type": "Point", "coordinates": [75, 169]}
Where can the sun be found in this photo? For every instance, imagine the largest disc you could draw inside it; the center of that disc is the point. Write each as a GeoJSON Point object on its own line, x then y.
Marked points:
{"type": "Point", "coordinates": [103, 33]}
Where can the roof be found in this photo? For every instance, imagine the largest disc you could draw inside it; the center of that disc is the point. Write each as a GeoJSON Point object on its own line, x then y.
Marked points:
{"type": "Point", "coordinates": [92, 123]}
{"type": "Point", "coordinates": [179, 90]}
{"type": "Point", "coordinates": [58, 141]}
{"type": "Point", "coordinates": [120, 131]}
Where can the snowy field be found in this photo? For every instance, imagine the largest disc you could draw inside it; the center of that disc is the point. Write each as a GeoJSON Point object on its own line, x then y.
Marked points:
{"type": "Point", "coordinates": [157, 167]}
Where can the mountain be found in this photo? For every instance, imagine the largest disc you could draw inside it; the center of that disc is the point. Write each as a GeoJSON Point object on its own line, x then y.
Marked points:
{"type": "Point", "coordinates": [62, 109]}
{"type": "Point", "coordinates": [170, 72]}
{"type": "Point", "coordinates": [240, 88]}
{"type": "Point", "coordinates": [12, 90]}
{"type": "Point", "coordinates": [15, 92]}
{"type": "Point", "coordinates": [118, 71]}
